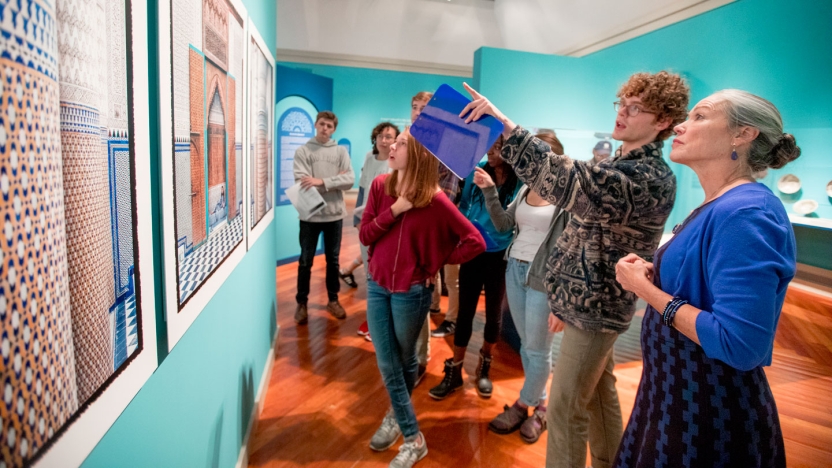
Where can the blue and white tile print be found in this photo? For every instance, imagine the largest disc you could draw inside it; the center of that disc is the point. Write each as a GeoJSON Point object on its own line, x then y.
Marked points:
{"type": "Point", "coordinates": [125, 336]}
{"type": "Point", "coordinates": [199, 264]}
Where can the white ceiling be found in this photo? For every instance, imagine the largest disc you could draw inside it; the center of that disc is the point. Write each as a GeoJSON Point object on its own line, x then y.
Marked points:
{"type": "Point", "coordinates": [443, 34]}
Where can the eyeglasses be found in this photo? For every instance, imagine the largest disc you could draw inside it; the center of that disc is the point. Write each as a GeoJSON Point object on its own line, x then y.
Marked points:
{"type": "Point", "coordinates": [386, 137]}
{"type": "Point", "coordinates": [632, 109]}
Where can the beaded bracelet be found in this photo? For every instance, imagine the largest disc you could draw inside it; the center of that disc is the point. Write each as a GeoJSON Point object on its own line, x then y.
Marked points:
{"type": "Point", "coordinates": [671, 316]}
{"type": "Point", "coordinates": [672, 302]}
{"type": "Point", "coordinates": [670, 310]}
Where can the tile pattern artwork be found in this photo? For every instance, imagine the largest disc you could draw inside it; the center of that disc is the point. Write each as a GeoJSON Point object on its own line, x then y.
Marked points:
{"type": "Point", "coordinates": [182, 167]}
{"type": "Point", "coordinates": [207, 53]}
{"type": "Point", "coordinates": [121, 209]}
{"type": "Point", "coordinates": [82, 49]}
{"type": "Point", "coordinates": [38, 382]}
{"type": "Point", "coordinates": [66, 214]}
{"type": "Point", "coordinates": [231, 210]}
{"type": "Point", "coordinates": [261, 145]}
{"type": "Point", "coordinates": [236, 55]}
{"type": "Point", "coordinates": [238, 151]}
{"type": "Point", "coordinates": [198, 266]}
{"type": "Point", "coordinates": [125, 326]}
{"type": "Point", "coordinates": [89, 251]}
{"type": "Point", "coordinates": [196, 80]}
{"type": "Point", "coordinates": [219, 105]}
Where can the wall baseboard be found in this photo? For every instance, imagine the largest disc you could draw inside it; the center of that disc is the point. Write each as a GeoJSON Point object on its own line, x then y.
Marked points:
{"type": "Point", "coordinates": [259, 402]}
{"type": "Point", "coordinates": [814, 279]}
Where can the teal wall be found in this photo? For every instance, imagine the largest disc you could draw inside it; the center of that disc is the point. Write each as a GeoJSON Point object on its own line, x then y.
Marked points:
{"type": "Point", "coordinates": [362, 97]}
{"type": "Point", "coordinates": [777, 49]}
{"type": "Point", "coordinates": [194, 410]}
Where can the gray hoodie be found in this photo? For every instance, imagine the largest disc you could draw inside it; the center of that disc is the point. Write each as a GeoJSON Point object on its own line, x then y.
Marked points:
{"type": "Point", "coordinates": [331, 163]}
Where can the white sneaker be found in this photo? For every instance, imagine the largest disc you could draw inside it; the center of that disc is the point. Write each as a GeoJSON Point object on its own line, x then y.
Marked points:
{"type": "Point", "coordinates": [387, 434]}
{"type": "Point", "coordinates": [410, 453]}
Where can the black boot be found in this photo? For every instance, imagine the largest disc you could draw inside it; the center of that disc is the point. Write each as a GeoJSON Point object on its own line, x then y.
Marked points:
{"type": "Point", "coordinates": [484, 386]}
{"type": "Point", "coordinates": [451, 382]}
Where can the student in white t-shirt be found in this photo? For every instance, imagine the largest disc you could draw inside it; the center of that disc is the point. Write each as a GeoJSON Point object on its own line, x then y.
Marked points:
{"type": "Point", "coordinates": [537, 226]}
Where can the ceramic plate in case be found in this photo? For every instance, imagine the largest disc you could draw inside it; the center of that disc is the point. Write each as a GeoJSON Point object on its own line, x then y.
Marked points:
{"type": "Point", "coordinates": [805, 207]}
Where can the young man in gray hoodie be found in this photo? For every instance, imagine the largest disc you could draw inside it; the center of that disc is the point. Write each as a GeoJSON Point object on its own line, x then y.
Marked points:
{"type": "Point", "coordinates": [322, 165]}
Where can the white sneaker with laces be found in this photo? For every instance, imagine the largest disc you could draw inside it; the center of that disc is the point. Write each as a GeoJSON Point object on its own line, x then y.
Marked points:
{"type": "Point", "coordinates": [410, 452]}
{"type": "Point", "coordinates": [387, 434]}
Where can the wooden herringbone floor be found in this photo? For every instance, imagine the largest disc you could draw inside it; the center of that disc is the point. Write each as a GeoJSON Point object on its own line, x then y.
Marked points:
{"type": "Point", "coordinates": [325, 398]}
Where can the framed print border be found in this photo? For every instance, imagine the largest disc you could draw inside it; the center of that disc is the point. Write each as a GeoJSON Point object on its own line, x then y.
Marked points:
{"type": "Point", "coordinates": [256, 230]}
{"type": "Point", "coordinates": [180, 316]}
{"type": "Point", "coordinates": [72, 444]}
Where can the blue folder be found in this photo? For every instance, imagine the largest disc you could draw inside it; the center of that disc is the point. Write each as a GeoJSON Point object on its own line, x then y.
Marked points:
{"type": "Point", "coordinates": [458, 145]}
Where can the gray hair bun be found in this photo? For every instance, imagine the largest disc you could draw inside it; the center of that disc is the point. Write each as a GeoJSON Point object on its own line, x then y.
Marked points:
{"type": "Point", "coordinates": [783, 152]}
{"type": "Point", "coordinates": [772, 148]}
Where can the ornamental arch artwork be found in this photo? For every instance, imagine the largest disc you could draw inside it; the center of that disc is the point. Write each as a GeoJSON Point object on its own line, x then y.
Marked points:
{"type": "Point", "coordinates": [69, 315]}
{"type": "Point", "coordinates": [207, 60]}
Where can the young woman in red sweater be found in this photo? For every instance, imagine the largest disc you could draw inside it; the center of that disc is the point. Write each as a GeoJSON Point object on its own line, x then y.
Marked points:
{"type": "Point", "coordinates": [412, 230]}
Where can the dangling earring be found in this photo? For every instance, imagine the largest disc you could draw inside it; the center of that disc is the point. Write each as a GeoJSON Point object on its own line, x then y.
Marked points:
{"type": "Point", "coordinates": [734, 155]}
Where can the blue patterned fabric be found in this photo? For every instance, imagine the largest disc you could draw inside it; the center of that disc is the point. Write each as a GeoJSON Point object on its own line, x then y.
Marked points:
{"type": "Point", "coordinates": [692, 410]}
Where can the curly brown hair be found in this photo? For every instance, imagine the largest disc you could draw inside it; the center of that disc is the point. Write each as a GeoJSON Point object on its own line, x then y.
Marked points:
{"type": "Point", "coordinates": [664, 93]}
{"type": "Point", "coordinates": [377, 131]}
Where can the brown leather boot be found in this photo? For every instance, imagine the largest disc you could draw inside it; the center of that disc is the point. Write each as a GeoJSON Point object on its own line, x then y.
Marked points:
{"type": "Point", "coordinates": [301, 314]}
{"type": "Point", "coordinates": [334, 308]}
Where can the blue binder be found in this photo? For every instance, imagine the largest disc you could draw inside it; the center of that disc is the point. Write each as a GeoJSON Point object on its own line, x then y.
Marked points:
{"type": "Point", "coordinates": [458, 145]}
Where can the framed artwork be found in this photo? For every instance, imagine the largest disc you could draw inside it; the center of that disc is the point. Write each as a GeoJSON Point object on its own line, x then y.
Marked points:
{"type": "Point", "coordinates": [202, 72]}
{"type": "Point", "coordinates": [261, 135]}
{"type": "Point", "coordinates": [77, 319]}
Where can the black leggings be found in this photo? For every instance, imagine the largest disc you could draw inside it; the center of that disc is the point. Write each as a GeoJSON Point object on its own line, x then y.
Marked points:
{"type": "Point", "coordinates": [488, 270]}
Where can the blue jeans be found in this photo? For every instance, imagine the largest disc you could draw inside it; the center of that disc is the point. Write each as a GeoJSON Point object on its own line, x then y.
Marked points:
{"type": "Point", "coordinates": [395, 320]}
{"type": "Point", "coordinates": [530, 312]}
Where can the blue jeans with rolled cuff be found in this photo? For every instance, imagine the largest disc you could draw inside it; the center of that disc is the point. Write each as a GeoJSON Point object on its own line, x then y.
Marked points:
{"type": "Point", "coordinates": [530, 312]}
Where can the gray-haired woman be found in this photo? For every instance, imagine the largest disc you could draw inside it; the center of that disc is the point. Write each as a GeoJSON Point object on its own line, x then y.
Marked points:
{"type": "Point", "coordinates": [715, 293]}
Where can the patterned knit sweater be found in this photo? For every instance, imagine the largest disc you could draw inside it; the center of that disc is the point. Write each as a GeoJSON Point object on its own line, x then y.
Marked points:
{"type": "Point", "coordinates": [618, 206]}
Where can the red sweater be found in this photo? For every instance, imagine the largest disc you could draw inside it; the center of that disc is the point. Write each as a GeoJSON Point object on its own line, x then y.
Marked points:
{"type": "Point", "coordinates": [412, 247]}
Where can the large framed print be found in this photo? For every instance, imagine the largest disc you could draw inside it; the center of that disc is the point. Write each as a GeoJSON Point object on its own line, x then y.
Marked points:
{"type": "Point", "coordinates": [76, 270]}
{"type": "Point", "coordinates": [202, 71]}
{"type": "Point", "coordinates": [261, 135]}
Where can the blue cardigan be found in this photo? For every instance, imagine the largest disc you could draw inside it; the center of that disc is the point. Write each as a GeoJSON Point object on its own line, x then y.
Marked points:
{"type": "Point", "coordinates": [734, 261]}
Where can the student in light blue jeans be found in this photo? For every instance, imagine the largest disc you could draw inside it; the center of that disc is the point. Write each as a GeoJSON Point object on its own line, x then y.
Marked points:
{"type": "Point", "coordinates": [537, 226]}
{"type": "Point", "coordinates": [396, 319]}
{"type": "Point", "coordinates": [411, 230]}
{"type": "Point", "coordinates": [530, 313]}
